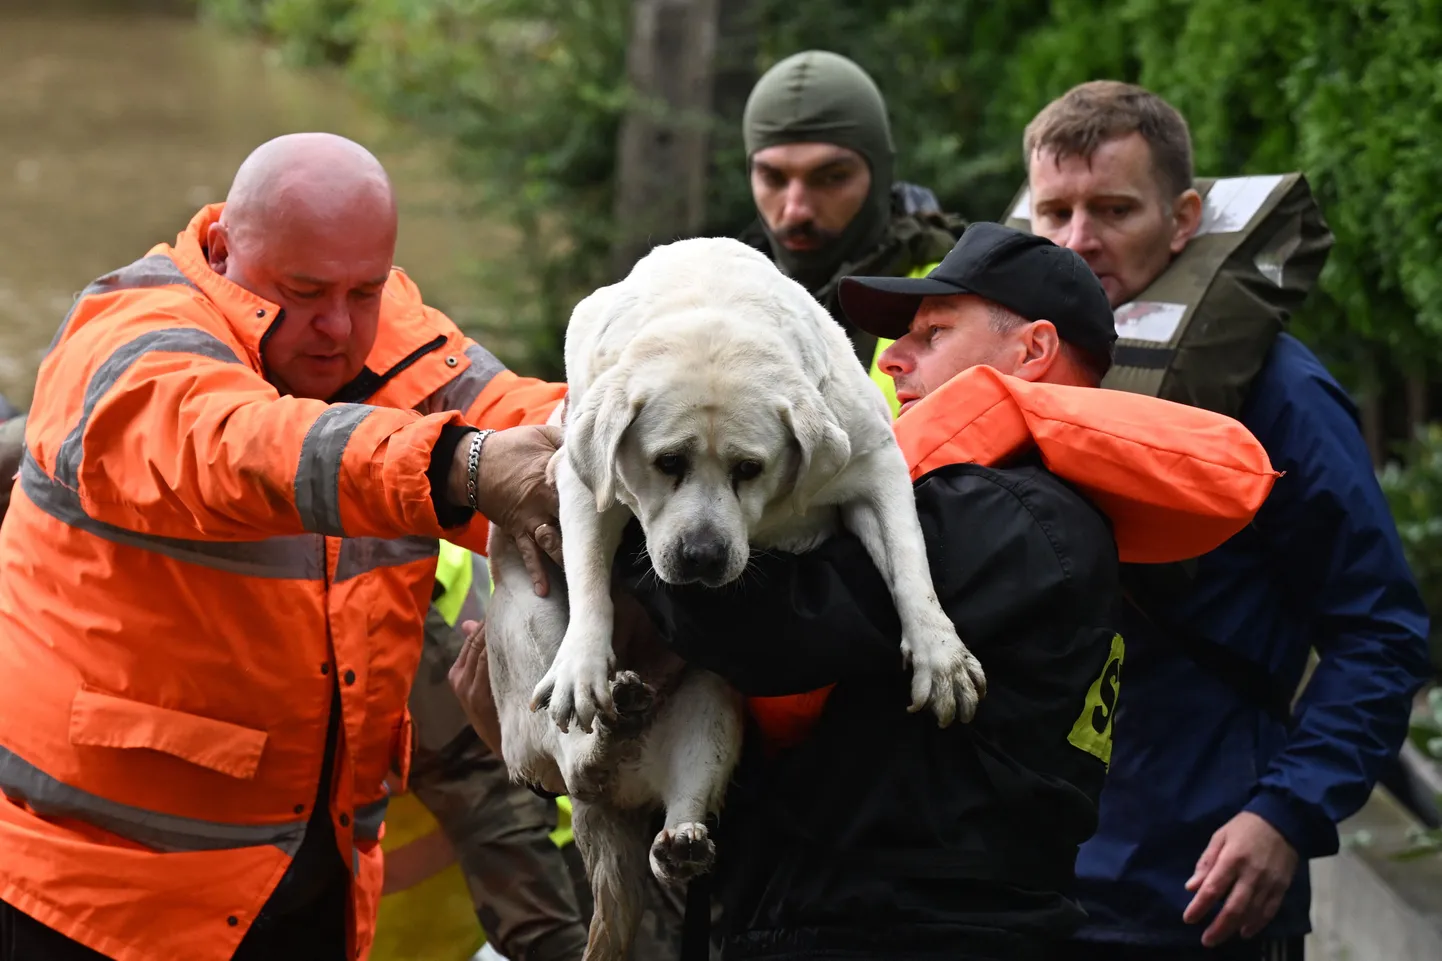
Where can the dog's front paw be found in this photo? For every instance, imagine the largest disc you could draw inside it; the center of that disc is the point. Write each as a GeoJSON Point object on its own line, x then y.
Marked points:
{"type": "Point", "coordinates": [945, 676]}
{"type": "Point", "coordinates": [575, 687]}
{"type": "Point", "coordinates": [681, 853]}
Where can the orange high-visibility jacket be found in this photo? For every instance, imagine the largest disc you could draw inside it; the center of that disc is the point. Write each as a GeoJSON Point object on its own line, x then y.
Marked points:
{"type": "Point", "coordinates": [190, 563]}
{"type": "Point", "coordinates": [1175, 481]}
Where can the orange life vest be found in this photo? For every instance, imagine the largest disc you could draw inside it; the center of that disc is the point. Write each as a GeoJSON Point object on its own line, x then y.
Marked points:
{"type": "Point", "coordinates": [1175, 481]}
{"type": "Point", "coordinates": [190, 564]}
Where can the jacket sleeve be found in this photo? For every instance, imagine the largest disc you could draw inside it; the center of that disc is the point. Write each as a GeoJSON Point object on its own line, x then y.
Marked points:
{"type": "Point", "coordinates": [489, 396]}
{"type": "Point", "coordinates": [1331, 535]}
{"type": "Point", "coordinates": [157, 426]}
{"type": "Point", "coordinates": [797, 622]}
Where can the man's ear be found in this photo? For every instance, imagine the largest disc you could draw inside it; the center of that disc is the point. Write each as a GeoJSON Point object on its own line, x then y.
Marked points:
{"type": "Point", "coordinates": [217, 247]}
{"type": "Point", "coordinates": [1187, 217]}
{"type": "Point", "coordinates": [824, 447]}
{"type": "Point", "coordinates": [594, 435]}
{"type": "Point", "coordinates": [1042, 346]}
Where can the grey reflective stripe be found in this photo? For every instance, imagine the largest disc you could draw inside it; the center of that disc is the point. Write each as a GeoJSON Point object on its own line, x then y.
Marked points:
{"type": "Point", "coordinates": [368, 818]}
{"type": "Point", "coordinates": [361, 554]}
{"type": "Point", "coordinates": [173, 340]}
{"type": "Point", "coordinates": [317, 477]}
{"type": "Point", "coordinates": [301, 557]}
{"type": "Point", "coordinates": [461, 391]}
{"type": "Point", "coordinates": [24, 782]}
{"type": "Point", "coordinates": [157, 270]}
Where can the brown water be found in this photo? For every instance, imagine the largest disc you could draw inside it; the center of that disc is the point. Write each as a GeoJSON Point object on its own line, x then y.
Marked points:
{"type": "Point", "coordinates": [116, 125]}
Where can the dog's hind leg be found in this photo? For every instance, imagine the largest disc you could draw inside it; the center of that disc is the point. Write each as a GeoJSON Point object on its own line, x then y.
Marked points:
{"type": "Point", "coordinates": [945, 675]}
{"type": "Point", "coordinates": [693, 746]}
{"type": "Point", "coordinates": [589, 761]}
{"type": "Point", "coordinates": [612, 845]}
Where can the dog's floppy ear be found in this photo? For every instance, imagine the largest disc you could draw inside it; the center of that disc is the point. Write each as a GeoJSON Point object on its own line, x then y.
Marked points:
{"type": "Point", "coordinates": [600, 421]}
{"type": "Point", "coordinates": [825, 447]}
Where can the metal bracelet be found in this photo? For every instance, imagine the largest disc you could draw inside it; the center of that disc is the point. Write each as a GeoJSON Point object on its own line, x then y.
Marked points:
{"type": "Point", "coordinates": [473, 466]}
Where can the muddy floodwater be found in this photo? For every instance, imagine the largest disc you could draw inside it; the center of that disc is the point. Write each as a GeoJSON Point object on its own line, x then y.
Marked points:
{"type": "Point", "coordinates": [118, 120]}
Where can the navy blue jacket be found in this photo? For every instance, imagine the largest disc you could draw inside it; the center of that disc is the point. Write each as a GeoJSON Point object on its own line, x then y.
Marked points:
{"type": "Point", "coordinates": [1321, 566]}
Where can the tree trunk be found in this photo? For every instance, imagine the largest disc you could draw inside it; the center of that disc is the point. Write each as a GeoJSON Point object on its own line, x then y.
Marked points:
{"type": "Point", "coordinates": [738, 41]}
{"type": "Point", "coordinates": [662, 151]}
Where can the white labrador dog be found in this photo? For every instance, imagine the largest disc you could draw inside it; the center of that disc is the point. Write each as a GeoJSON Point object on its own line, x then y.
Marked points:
{"type": "Point", "coordinates": [715, 400]}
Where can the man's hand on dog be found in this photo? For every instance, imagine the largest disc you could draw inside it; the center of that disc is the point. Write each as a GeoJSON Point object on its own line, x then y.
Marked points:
{"type": "Point", "coordinates": [515, 493]}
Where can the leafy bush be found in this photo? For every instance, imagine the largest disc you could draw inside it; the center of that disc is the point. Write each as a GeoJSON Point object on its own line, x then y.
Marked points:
{"type": "Point", "coordinates": [1426, 735]}
{"type": "Point", "coordinates": [1414, 492]}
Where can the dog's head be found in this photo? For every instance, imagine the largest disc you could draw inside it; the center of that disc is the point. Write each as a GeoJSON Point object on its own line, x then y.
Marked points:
{"type": "Point", "coordinates": [701, 436]}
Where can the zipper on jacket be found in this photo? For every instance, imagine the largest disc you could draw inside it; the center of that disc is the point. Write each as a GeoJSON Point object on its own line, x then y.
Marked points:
{"type": "Point", "coordinates": [367, 382]}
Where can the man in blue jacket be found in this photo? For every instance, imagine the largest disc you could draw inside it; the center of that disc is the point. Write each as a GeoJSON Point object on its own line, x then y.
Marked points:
{"type": "Point", "coordinates": [1218, 795]}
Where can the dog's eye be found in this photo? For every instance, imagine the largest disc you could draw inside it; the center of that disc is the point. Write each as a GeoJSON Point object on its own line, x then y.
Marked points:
{"type": "Point", "coordinates": [672, 465]}
{"type": "Point", "coordinates": [746, 470]}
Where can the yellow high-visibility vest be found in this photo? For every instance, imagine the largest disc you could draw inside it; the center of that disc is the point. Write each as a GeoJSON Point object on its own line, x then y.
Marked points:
{"type": "Point", "coordinates": [454, 572]}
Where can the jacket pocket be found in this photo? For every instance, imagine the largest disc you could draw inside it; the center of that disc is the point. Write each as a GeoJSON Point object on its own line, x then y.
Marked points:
{"type": "Point", "coordinates": [104, 720]}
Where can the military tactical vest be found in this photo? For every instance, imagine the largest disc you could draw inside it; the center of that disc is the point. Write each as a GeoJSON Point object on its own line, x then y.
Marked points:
{"type": "Point", "coordinates": [1201, 331]}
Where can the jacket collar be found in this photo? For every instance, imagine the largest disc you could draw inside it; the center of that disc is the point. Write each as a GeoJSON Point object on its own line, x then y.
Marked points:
{"type": "Point", "coordinates": [248, 315]}
{"type": "Point", "coordinates": [971, 419]}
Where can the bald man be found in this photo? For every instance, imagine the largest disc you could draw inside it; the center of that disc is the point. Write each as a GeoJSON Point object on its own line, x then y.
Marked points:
{"type": "Point", "coordinates": [216, 566]}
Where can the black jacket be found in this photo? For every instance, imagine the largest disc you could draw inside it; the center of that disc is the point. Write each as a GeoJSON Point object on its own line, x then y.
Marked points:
{"type": "Point", "coordinates": [881, 835]}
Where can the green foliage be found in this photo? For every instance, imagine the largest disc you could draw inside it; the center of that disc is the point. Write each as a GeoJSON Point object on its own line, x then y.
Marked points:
{"type": "Point", "coordinates": [1426, 735]}
{"type": "Point", "coordinates": [1426, 731]}
{"type": "Point", "coordinates": [531, 91]}
{"type": "Point", "coordinates": [314, 31]}
{"type": "Point", "coordinates": [1414, 492]}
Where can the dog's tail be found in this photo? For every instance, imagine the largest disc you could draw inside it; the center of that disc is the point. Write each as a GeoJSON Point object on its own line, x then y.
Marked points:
{"type": "Point", "coordinates": [614, 846]}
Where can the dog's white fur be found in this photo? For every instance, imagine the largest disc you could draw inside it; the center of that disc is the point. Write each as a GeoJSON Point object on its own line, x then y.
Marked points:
{"type": "Point", "coordinates": [715, 400]}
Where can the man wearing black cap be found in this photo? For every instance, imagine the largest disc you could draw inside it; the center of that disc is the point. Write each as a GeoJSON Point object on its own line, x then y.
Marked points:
{"type": "Point", "coordinates": [953, 843]}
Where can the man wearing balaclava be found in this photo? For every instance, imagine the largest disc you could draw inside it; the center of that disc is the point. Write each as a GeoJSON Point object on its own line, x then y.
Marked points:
{"type": "Point", "coordinates": [819, 149]}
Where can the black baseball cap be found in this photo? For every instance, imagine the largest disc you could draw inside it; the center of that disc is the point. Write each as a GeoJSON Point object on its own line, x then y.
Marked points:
{"type": "Point", "coordinates": [1025, 273]}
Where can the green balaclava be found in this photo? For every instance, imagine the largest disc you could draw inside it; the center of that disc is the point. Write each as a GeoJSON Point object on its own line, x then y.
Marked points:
{"type": "Point", "coordinates": [822, 97]}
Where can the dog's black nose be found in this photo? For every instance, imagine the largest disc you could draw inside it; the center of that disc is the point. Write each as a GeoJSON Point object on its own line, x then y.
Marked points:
{"type": "Point", "coordinates": [703, 557]}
